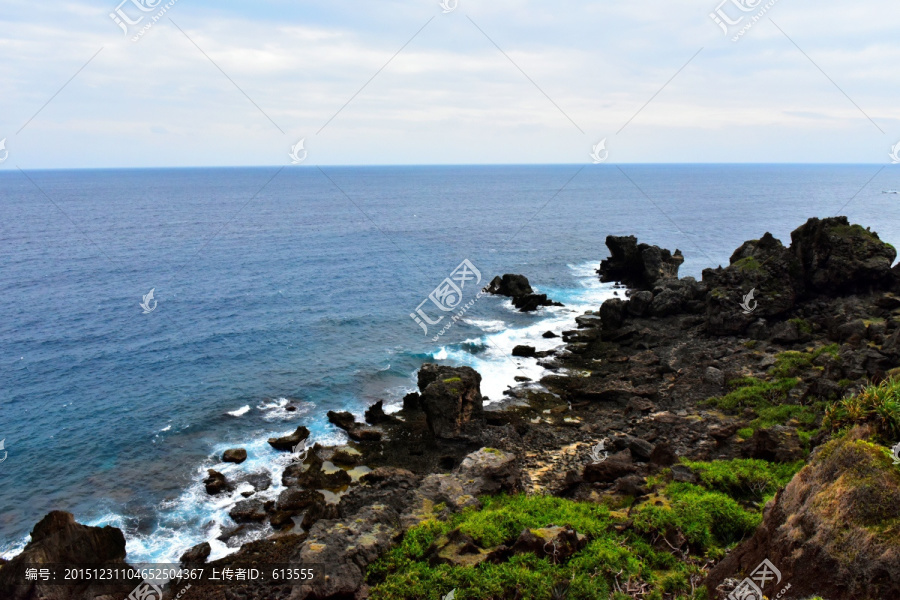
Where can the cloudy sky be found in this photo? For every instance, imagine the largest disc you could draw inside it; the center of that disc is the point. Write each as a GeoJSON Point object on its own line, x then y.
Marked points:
{"type": "Point", "coordinates": [403, 82]}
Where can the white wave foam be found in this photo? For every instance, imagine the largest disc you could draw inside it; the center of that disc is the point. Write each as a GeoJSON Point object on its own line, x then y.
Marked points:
{"type": "Point", "coordinates": [240, 412]}
{"type": "Point", "coordinates": [277, 409]}
{"type": "Point", "coordinates": [488, 325]}
{"type": "Point", "coordinates": [495, 362]}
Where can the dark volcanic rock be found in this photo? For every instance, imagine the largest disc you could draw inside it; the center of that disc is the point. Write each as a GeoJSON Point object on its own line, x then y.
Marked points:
{"type": "Point", "coordinates": [451, 399]}
{"type": "Point", "coordinates": [248, 511]}
{"type": "Point", "coordinates": [289, 442]}
{"type": "Point", "coordinates": [196, 555]}
{"type": "Point", "coordinates": [616, 466]}
{"type": "Point", "coordinates": [764, 280]}
{"type": "Point", "coordinates": [510, 285]}
{"type": "Point", "coordinates": [375, 414]}
{"type": "Point", "coordinates": [557, 543]}
{"type": "Point", "coordinates": [532, 302]}
{"type": "Point", "coordinates": [314, 477]}
{"type": "Point", "coordinates": [295, 500]}
{"type": "Point", "coordinates": [344, 420]}
{"type": "Point", "coordinates": [356, 431]}
{"type": "Point", "coordinates": [839, 258]}
{"type": "Point", "coordinates": [216, 483]}
{"type": "Point", "coordinates": [58, 540]}
{"type": "Point", "coordinates": [638, 265]}
{"type": "Point", "coordinates": [234, 455]}
{"type": "Point", "coordinates": [524, 351]}
{"type": "Point", "coordinates": [518, 288]}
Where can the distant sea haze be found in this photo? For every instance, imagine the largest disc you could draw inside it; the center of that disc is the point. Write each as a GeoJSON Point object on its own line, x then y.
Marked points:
{"type": "Point", "coordinates": [299, 296]}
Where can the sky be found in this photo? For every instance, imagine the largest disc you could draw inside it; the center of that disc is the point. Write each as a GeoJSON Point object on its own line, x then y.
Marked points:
{"type": "Point", "coordinates": [226, 83]}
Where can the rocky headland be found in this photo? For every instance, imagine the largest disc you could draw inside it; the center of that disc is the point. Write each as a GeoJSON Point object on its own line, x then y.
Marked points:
{"type": "Point", "coordinates": [683, 436]}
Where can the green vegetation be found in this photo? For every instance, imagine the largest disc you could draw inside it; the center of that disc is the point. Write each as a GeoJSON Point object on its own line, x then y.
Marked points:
{"type": "Point", "coordinates": [713, 515]}
{"type": "Point", "coordinates": [854, 230]}
{"type": "Point", "coordinates": [788, 364]}
{"type": "Point", "coordinates": [877, 405]}
{"type": "Point", "coordinates": [452, 379]}
{"type": "Point", "coordinates": [751, 392]}
{"type": "Point", "coordinates": [803, 325]}
{"type": "Point", "coordinates": [748, 264]}
{"type": "Point", "coordinates": [745, 479]}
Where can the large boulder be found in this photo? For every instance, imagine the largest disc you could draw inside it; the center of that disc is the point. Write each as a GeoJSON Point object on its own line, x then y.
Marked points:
{"type": "Point", "coordinates": [234, 455]}
{"type": "Point", "coordinates": [58, 540]}
{"type": "Point", "coordinates": [839, 258]}
{"type": "Point", "coordinates": [833, 531]}
{"type": "Point", "coordinates": [640, 266]}
{"type": "Point", "coordinates": [196, 555]}
{"type": "Point", "coordinates": [216, 483]}
{"type": "Point", "coordinates": [451, 398]}
{"type": "Point", "coordinates": [345, 547]}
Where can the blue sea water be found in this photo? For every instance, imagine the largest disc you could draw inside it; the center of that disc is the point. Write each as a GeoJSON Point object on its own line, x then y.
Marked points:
{"type": "Point", "coordinates": [296, 286]}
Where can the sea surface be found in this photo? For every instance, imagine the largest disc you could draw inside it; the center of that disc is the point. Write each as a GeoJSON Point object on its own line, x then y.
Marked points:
{"type": "Point", "coordinates": [295, 286]}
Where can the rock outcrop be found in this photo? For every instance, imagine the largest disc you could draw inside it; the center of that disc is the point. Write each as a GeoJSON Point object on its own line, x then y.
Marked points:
{"type": "Point", "coordinates": [519, 289]}
{"type": "Point", "coordinates": [356, 431]}
{"type": "Point", "coordinates": [451, 399]}
{"type": "Point", "coordinates": [639, 266]}
{"type": "Point", "coordinates": [765, 280]}
{"type": "Point", "coordinates": [287, 443]}
{"type": "Point", "coordinates": [58, 540]}
{"type": "Point", "coordinates": [833, 531]}
{"type": "Point", "coordinates": [839, 258]}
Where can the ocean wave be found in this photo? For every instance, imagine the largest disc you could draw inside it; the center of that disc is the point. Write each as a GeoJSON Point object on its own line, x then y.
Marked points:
{"type": "Point", "coordinates": [240, 412]}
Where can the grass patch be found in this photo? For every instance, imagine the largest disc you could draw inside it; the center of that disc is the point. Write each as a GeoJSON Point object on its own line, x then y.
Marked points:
{"type": "Point", "coordinates": [713, 515]}
{"type": "Point", "coordinates": [789, 364]}
{"type": "Point", "coordinates": [752, 392]}
{"type": "Point", "coordinates": [744, 479]}
{"type": "Point", "coordinates": [748, 264]}
{"type": "Point", "coordinates": [877, 405]}
{"type": "Point", "coordinates": [803, 325]}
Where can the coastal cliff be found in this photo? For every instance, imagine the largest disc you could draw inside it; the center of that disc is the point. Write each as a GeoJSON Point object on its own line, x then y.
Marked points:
{"type": "Point", "coordinates": [684, 436]}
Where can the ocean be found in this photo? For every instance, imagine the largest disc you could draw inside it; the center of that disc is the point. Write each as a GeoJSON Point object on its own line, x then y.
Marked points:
{"type": "Point", "coordinates": [294, 286]}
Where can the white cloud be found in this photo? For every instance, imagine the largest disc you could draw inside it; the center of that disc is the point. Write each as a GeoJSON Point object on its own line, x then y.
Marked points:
{"type": "Point", "coordinates": [450, 96]}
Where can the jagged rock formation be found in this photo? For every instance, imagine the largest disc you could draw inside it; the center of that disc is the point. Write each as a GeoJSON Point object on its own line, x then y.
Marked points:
{"type": "Point", "coordinates": [764, 282]}
{"type": "Point", "coordinates": [639, 266]}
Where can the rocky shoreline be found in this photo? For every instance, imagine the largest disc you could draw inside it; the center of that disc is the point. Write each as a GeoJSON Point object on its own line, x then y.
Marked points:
{"type": "Point", "coordinates": [750, 363]}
